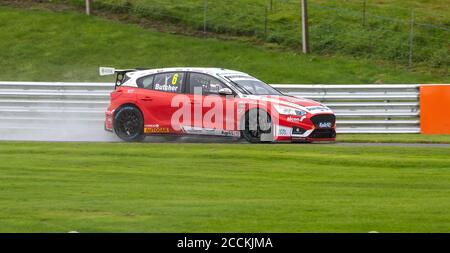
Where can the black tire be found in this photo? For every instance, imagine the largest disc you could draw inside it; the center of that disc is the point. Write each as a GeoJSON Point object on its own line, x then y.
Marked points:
{"type": "Point", "coordinates": [129, 124]}
{"type": "Point", "coordinates": [253, 134]}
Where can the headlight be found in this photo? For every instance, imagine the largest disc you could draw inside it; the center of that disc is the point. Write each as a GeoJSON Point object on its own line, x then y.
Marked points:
{"type": "Point", "coordinates": [288, 110]}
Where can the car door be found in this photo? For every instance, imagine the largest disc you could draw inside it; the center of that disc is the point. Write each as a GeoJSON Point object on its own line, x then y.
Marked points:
{"type": "Point", "coordinates": [209, 108]}
{"type": "Point", "coordinates": [156, 96]}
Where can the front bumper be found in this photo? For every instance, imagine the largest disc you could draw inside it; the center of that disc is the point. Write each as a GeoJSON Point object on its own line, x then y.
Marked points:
{"type": "Point", "coordinates": [289, 134]}
{"type": "Point", "coordinates": [320, 127]}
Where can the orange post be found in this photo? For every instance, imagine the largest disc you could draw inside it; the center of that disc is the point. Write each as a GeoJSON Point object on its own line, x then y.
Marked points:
{"type": "Point", "coordinates": [435, 109]}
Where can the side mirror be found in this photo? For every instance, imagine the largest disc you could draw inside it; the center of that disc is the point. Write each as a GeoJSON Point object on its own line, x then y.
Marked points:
{"type": "Point", "coordinates": [225, 91]}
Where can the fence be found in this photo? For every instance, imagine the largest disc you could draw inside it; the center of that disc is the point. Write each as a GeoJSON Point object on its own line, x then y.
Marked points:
{"type": "Point", "coordinates": [27, 108]}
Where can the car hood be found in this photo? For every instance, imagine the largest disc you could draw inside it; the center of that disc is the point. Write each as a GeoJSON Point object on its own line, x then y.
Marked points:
{"type": "Point", "coordinates": [307, 105]}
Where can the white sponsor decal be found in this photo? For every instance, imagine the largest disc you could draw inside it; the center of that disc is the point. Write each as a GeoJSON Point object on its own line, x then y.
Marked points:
{"type": "Point", "coordinates": [295, 119]}
{"type": "Point", "coordinates": [166, 87]}
{"type": "Point", "coordinates": [325, 124]}
{"type": "Point", "coordinates": [284, 131]}
{"type": "Point", "coordinates": [287, 132]}
{"type": "Point", "coordinates": [152, 125]}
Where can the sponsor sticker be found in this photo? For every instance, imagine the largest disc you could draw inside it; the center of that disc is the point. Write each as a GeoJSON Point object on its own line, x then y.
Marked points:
{"type": "Point", "coordinates": [325, 124]}
{"type": "Point", "coordinates": [231, 133]}
{"type": "Point", "coordinates": [284, 131]}
{"type": "Point", "coordinates": [295, 119]}
{"type": "Point", "coordinates": [156, 130]}
{"type": "Point", "coordinates": [166, 87]}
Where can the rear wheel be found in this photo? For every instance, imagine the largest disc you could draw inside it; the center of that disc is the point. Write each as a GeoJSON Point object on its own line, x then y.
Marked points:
{"type": "Point", "coordinates": [258, 126]}
{"type": "Point", "coordinates": [129, 124]}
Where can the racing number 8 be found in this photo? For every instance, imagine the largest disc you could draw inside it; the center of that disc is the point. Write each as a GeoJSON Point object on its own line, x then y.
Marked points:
{"type": "Point", "coordinates": [175, 79]}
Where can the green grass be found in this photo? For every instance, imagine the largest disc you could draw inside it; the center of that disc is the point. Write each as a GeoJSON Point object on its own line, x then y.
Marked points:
{"type": "Point", "coordinates": [394, 138]}
{"type": "Point", "coordinates": [65, 46]}
{"type": "Point", "coordinates": [335, 26]}
{"type": "Point", "coordinates": [92, 187]}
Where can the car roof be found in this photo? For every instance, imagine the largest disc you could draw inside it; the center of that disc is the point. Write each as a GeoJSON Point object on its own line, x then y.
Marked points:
{"type": "Point", "coordinates": [210, 71]}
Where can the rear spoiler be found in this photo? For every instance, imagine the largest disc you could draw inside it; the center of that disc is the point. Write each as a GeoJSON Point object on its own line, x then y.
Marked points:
{"type": "Point", "coordinates": [120, 73]}
{"type": "Point", "coordinates": [106, 71]}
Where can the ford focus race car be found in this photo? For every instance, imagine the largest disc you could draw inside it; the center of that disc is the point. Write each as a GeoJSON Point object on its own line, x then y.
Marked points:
{"type": "Point", "coordinates": [211, 101]}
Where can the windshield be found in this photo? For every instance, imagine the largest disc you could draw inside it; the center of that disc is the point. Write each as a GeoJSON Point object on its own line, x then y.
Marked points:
{"type": "Point", "coordinates": [253, 86]}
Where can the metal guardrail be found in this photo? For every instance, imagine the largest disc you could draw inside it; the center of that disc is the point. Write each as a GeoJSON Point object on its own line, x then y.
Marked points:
{"type": "Point", "coordinates": [366, 108]}
{"type": "Point", "coordinates": [30, 106]}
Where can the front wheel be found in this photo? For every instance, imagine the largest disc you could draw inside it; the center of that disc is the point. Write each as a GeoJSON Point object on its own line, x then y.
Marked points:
{"type": "Point", "coordinates": [257, 127]}
{"type": "Point", "coordinates": [129, 124]}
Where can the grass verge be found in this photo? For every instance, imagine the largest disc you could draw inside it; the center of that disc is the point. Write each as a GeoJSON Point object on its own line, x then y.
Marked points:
{"type": "Point", "coordinates": [104, 187]}
{"type": "Point", "coordinates": [394, 138]}
{"type": "Point", "coordinates": [67, 46]}
{"type": "Point", "coordinates": [335, 26]}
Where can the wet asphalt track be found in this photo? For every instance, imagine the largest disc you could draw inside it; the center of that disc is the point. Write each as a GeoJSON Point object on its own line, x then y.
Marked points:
{"type": "Point", "coordinates": [94, 132]}
{"type": "Point", "coordinates": [110, 137]}
{"type": "Point", "coordinates": [204, 139]}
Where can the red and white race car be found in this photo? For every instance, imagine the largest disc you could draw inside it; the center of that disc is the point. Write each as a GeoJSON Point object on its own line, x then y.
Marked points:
{"type": "Point", "coordinates": [211, 101]}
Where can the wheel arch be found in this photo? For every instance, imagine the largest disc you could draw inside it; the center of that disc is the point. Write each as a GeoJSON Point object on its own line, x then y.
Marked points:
{"type": "Point", "coordinates": [128, 104]}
